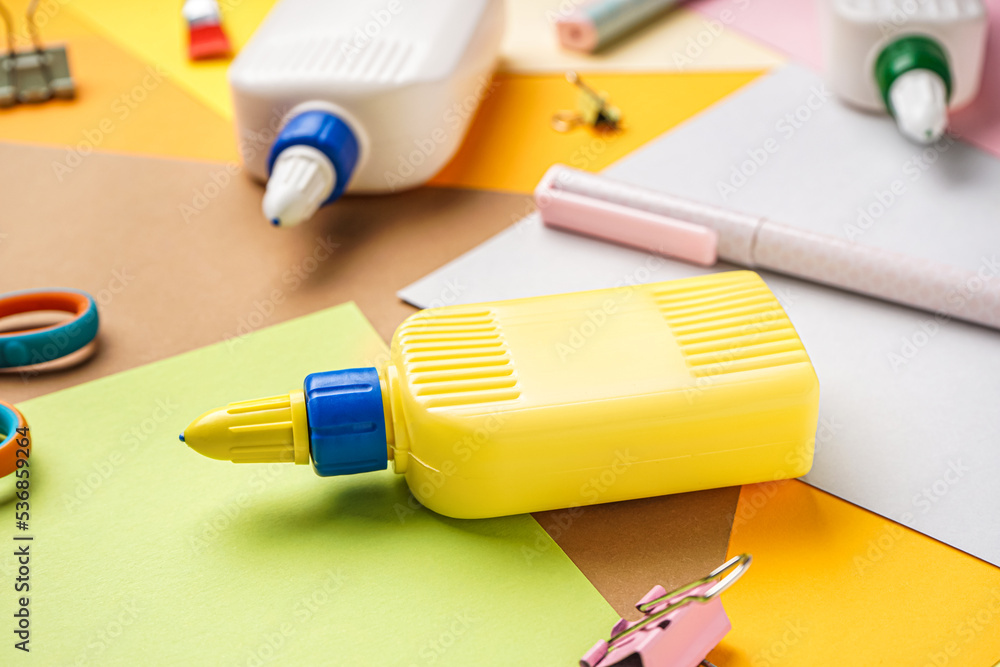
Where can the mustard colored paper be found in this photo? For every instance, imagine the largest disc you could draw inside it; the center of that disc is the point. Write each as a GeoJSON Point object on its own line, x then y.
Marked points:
{"type": "Point", "coordinates": [509, 146]}
{"type": "Point", "coordinates": [146, 552]}
{"type": "Point", "coordinates": [511, 142]}
{"type": "Point", "coordinates": [833, 584]}
{"type": "Point", "coordinates": [123, 104]}
{"type": "Point", "coordinates": [678, 40]}
{"type": "Point", "coordinates": [156, 33]}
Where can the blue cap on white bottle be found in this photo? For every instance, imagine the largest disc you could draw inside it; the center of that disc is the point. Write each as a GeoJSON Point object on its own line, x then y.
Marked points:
{"type": "Point", "coordinates": [310, 164]}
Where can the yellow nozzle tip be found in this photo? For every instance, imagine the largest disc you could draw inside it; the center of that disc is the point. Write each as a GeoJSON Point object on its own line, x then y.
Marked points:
{"type": "Point", "coordinates": [209, 435]}
{"type": "Point", "coordinates": [266, 430]}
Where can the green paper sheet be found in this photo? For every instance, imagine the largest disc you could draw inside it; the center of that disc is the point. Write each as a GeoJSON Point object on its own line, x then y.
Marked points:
{"type": "Point", "coordinates": [147, 553]}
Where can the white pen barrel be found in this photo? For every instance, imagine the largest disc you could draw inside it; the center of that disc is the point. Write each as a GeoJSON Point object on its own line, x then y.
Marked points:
{"type": "Point", "coordinates": [919, 283]}
{"type": "Point", "coordinates": [736, 230]}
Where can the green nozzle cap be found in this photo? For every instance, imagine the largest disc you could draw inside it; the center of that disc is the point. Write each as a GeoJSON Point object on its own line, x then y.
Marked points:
{"type": "Point", "coordinates": [906, 54]}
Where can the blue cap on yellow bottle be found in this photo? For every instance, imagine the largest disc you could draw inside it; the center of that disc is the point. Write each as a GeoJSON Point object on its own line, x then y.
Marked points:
{"type": "Point", "coordinates": [337, 420]}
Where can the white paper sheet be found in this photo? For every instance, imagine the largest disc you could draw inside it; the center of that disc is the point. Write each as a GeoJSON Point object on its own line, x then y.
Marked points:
{"type": "Point", "coordinates": [910, 406]}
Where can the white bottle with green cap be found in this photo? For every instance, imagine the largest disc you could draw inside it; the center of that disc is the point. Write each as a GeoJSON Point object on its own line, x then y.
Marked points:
{"type": "Point", "coordinates": [915, 59]}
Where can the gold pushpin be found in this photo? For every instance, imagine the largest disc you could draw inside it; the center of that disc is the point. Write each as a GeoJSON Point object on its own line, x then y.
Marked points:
{"type": "Point", "coordinates": [592, 110]}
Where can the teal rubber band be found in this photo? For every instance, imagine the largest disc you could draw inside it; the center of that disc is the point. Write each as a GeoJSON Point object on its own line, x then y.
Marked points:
{"type": "Point", "coordinates": [14, 440]}
{"type": "Point", "coordinates": [37, 346]}
{"type": "Point", "coordinates": [9, 422]}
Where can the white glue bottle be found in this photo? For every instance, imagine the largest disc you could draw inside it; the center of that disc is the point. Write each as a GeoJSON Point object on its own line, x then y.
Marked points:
{"type": "Point", "coordinates": [359, 96]}
{"type": "Point", "coordinates": [915, 59]}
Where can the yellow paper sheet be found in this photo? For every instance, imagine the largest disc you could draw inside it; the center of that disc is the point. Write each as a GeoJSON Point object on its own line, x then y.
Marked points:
{"type": "Point", "coordinates": [156, 33]}
{"type": "Point", "coordinates": [123, 104]}
{"type": "Point", "coordinates": [509, 146]}
{"type": "Point", "coordinates": [511, 142]}
{"type": "Point", "coordinates": [147, 553]}
{"type": "Point", "coordinates": [833, 584]}
{"type": "Point", "coordinates": [679, 40]}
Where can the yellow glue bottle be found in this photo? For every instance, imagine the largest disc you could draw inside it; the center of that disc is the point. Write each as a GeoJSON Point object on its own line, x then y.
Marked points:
{"type": "Point", "coordinates": [558, 401]}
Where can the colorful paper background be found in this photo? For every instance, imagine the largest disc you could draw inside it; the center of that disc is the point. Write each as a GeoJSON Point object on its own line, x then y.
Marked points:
{"type": "Point", "coordinates": [145, 548]}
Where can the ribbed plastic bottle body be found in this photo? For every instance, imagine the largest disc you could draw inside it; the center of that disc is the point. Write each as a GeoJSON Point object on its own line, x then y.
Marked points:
{"type": "Point", "coordinates": [856, 33]}
{"type": "Point", "coordinates": [407, 77]}
{"type": "Point", "coordinates": [600, 396]}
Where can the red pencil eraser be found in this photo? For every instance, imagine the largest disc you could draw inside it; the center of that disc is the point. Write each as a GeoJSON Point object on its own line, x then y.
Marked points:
{"type": "Point", "coordinates": [208, 41]}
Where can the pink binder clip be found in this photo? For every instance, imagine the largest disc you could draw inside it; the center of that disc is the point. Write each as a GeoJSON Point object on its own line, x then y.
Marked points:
{"type": "Point", "coordinates": [679, 628]}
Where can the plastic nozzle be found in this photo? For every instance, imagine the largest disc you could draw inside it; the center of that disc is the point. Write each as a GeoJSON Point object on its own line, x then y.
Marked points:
{"type": "Point", "coordinates": [266, 430]}
{"type": "Point", "coordinates": [338, 420]}
{"type": "Point", "coordinates": [310, 164]}
{"type": "Point", "coordinates": [301, 180]}
{"type": "Point", "coordinates": [914, 79]}
{"type": "Point", "coordinates": [920, 105]}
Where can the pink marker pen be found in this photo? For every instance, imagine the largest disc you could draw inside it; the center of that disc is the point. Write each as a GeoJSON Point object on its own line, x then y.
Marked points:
{"type": "Point", "coordinates": [598, 206]}
{"type": "Point", "coordinates": [594, 25]}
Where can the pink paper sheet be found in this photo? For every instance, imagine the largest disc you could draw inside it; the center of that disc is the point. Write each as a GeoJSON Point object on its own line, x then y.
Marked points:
{"type": "Point", "coordinates": [792, 26]}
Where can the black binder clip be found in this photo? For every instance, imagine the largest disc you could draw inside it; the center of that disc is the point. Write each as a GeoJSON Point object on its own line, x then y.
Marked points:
{"type": "Point", "coordinates": [34, 75]}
